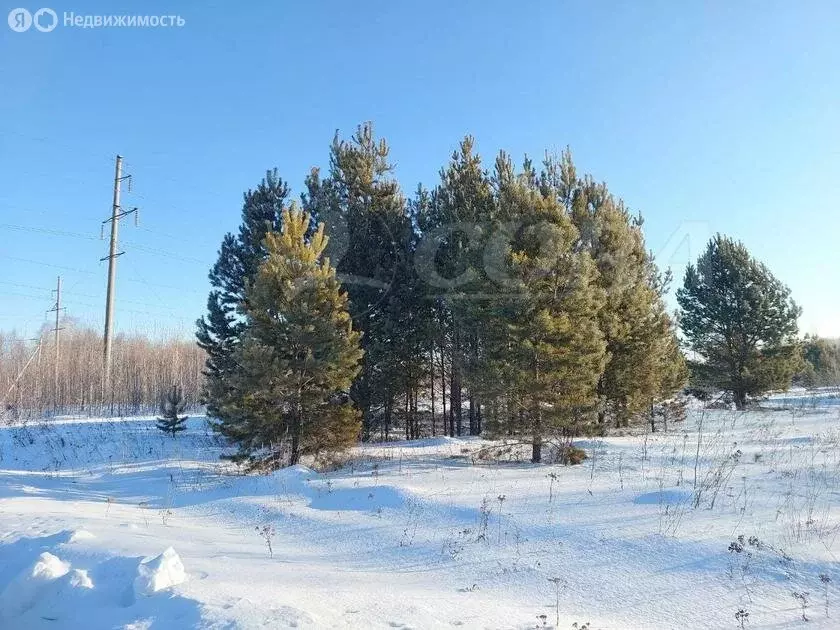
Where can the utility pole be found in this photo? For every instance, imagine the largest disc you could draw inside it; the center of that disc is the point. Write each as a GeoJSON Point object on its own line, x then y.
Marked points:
{"type": "Point", "coordinates": [57, 330]}
{"type": "Point", "coordinates": [116, 214]}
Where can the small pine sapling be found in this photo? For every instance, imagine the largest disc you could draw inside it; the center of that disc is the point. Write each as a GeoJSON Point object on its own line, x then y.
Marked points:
{"type": "Point", "coordinates": [171, 406]}
{"type": "Point", "coordinates": [742, 616]}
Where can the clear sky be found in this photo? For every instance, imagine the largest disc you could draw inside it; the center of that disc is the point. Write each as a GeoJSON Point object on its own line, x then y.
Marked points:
{"type": "Point", "coordinates": [704, 116]}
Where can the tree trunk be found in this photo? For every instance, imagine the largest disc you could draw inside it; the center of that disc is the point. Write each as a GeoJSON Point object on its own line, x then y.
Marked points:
{"type": "Point", "coordinates": [443, 390]}
{"type": "Point", "coordinates": [294, 456]}
{"type": "Point", "coordinates": [455, 387]}
{"type": "Point", "coordinates": [432, 381]}
{"type": "Point", "coordinates": [365, 426]}
{"type": "Point", "coordinates": [536, 441]}
{"type": "Point", "coordinates": [415, 421]}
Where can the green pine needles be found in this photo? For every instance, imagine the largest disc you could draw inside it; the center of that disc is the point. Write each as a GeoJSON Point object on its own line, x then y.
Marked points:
{"type": "Point", "coordinates": [297, 355]}
{"type": "Point", "coordinates": [741, 321]}
{"type": "Point", "coordinates": [511, 301]}
{"type": "Point", "coordinates": [171, 406]}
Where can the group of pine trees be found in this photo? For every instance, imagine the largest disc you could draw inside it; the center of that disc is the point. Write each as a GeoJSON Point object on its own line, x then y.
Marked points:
{"type": "Point", "coordinates": [515, 301]}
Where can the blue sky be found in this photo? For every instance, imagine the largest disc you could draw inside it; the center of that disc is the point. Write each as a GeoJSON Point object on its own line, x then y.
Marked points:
{"type": "Point", "coordinates": [706, 117]}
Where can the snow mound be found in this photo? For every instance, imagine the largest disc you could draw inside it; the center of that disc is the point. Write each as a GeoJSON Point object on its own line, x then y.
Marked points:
{"type": "Point", "coordinates": [79, 578]}
{"type": "Point", "coordinates": [295, 479]}
{"type": "Point", "coordinates": [79, 535]}
{"type": "Point", "coordinates": [49, 567]}
{"type": "Point", "coordinates": [161, 572]}
{"type": "Point", "coordinates": [23, 592]}
{"type": "Point", "coordinates": [62, 599]}
{"type": "Point", "coordinates": [323, 494]}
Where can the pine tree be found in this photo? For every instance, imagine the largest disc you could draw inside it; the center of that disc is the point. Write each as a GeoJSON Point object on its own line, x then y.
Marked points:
{"type": "Point", "coordinates": [554, 352]}
{"type": "Point", "coordinates": [239, 257]}
{"type": "Point", "coordinates": [365, 212]}
{"type": "Point", "coordinates": [457, 222]}
{"type": "Point", "coordinates": [644, 364]}
{"type": "Point", "coordinates": [171, 406]}
{"type": "Point", "coordinates": [298, 355]}
{"type": "Point", "coordinates": [740, 320]}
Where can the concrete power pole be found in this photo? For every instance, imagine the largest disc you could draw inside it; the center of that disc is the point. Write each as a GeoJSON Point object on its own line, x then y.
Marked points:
{"type": "Point", "coordinates": [116, 214]}
{"type": "Point", "coordinates": [57, 330]}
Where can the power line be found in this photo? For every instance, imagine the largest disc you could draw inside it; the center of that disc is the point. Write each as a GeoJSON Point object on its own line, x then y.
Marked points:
{"type": "Point", "coordinates": [30, 322]}
{"type": "Point", "coordinates": [46, 264]}
{"type": "Point", "coordinates": [74, 149]}
{"type": "Point", "coordinates": [77, 294]}
{"type": "Point", "coordinates": [117, 213]}
{"type": "Point", "coordinates": [149, 314]}
{"type": "Point", "coordinates": [24, 286]}
{"type": "Point", "coordinates": [40, 298]}
{"type": "Point", "coordinates": [88, 272]}
{"type": "Point", "coordinates": [162, 252]}
{"type": "Point", "coordinates": [49, 231]}
{"type": "Point", "coordinates": [165, 286]}
{"type": "Point", "coordinates": [48, 212]}
{"type": "Point", "coordinates": [134, 245]}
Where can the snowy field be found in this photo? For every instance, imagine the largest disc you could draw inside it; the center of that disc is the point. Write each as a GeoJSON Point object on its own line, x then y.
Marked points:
{"type": "Point", "coordinates": [110, 524]}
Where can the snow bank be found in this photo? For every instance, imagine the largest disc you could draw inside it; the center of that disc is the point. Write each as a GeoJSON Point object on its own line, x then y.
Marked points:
{"type": "Point", "coordinates": [24, 591]}
{"type": "Point", "coordinates": [295, 479]}
{"type": "Point", "coordinates": [323, 494]}
{"type": "Point", "coordinates": [79, 535]}
{"type": "Point", "coordinates": [79, 579]}
{"type": "Point", "coordinates": [161, 572]}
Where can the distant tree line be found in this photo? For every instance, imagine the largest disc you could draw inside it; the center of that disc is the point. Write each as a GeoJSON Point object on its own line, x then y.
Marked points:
{"type": "Point", "coordinates": [822, 363]}
{"type": "Point", "coordinates": [143, 371]}
{"type": "Point", "coordinates": [504, 300]}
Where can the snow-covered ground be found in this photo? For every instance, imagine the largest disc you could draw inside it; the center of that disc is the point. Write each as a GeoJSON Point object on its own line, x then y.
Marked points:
{"type": "Point", "coordinates": [108, 524]}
